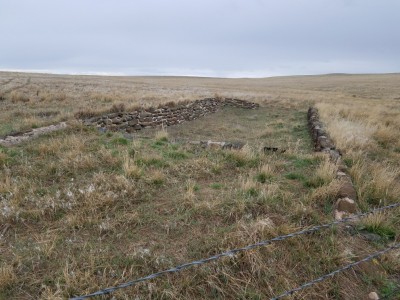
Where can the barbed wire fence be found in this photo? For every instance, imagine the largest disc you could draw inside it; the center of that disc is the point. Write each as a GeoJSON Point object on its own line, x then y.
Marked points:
{"type": "Point", "coordinates": [232, 252]}
{"type": "Point", "coordinates": [326, 276]}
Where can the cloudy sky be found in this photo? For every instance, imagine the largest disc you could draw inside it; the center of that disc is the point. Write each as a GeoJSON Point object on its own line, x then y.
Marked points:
{"type": "Point", "coordinates": [227, 38]}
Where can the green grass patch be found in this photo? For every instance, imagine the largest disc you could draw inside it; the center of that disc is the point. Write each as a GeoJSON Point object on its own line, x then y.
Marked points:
{"type": "Point", "coordinates": [156, 162]}
{"type": "Point", "coordinates": [294, 176]}
{"type": "Point", "coordinates": [239, 159]}
{"type": "Point", "coordinates": [216, 186]}
{"type": "Point", "coordinates": [158, 144]}
{"type": "Point", "coordinates": [385, 231]}
{"type": "Point", "coordinates": [176, 155]}
{"type": "Point", "coordinates": [304, 162]}
{"type": "Point", "coordinates": [120, 141]}
{"type": "Point", "coordinates": [251, 192]}
{"type": "Point", "coordinates": [314, 182]}
{"type": "Point", "coordinates": [262, 177]}
{"type": "Point", "coordinates": [348, 162]}
{"type": "Point", "coordinates": [390, 290]}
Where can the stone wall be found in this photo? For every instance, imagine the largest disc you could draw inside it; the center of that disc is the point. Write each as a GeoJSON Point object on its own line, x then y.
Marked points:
{"type": "Point", "coordinates": [347, 195]}
{"type": "Point", "coordinates": [164, 116]}
{"type": "Point", "coordinates": [14, 139]}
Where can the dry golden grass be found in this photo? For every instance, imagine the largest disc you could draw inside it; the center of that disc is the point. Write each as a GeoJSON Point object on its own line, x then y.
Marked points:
{"type": "Point", "coordinates": [88, 210]}
{"type": "Point", "coordinates": [368, 132]}
{"type": "Point", "coordinates": [7, 276]}
{"type": "Point", "coordinates": [130, 168]}
{"type": "Point", "coordinates": [162, 135]}
{"type": "Point", "coordinates": [326, 170]}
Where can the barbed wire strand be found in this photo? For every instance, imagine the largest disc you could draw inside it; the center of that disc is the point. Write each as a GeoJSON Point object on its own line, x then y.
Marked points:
{"type": "Point", "coordinates": [326, 276]}
{"type": "Point", "coordinates": [232, 252]}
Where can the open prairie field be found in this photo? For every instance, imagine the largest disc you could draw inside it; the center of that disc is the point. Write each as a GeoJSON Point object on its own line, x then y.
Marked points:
{"type": "Point", "coordinates": [82, 209]}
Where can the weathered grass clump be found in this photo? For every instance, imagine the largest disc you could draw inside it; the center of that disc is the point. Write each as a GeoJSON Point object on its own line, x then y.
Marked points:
{"type": "Point", "coordinates": [162, 135]}
{"type": "Point", "coordinates": [18, 97]}
{"type": "Point", "coordinates": [379, 224]}
{"type": "Point", "coordinates": [7, 276]}
{"type": "Point", "coordinates": [130, 168]}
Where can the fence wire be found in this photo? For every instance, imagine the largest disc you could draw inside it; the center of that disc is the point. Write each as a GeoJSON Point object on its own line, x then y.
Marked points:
{"type": "Point", "coordinates": [232, 252]}
{"type": "Point", "coordinates": [326, 276]}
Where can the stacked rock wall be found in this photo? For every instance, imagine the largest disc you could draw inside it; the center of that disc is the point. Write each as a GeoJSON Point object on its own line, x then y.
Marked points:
{"type": "Point", "coordinates": [347, 194]}
{"type": "Point", "coordinates": [164, 116]}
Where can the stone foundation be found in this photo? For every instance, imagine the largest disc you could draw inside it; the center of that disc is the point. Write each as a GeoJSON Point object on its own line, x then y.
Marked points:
{"type": "Point", "coordinates": [164, 116]}
{"type": "Point", "coordinates": [347, 195]}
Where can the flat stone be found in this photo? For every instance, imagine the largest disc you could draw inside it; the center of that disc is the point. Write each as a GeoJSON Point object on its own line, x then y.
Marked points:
{"type": "Point", "coordinates": [133, 122]}
{"type": "Point", "coordinates": [347, 189]}
{"type": "Point", "coordinates": [373, 237]}
{"type": "Point", "coordinates": [346, 205]}
{"type": "Point", "coordinates": [145, 114]}
{"type": "Point", "coordinates": [373, 296]}
{"type": "Point", "coordinates": [116, 121]}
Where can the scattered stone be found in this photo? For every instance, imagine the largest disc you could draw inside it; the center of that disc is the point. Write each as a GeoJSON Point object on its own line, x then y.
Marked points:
{"type": "Point", "coordinates": [219, 145]}
{"type": "Point", "coordinates": [19, 138]}
{"type": "Point", "coordinates": [370, 236]}
{"type": "Point", "coordinates": [346, 189]}
{"type": "Point", "coordinates": [273, 149]}
{"type": "Point", "coordinates": [346, 205]}
{"type": "Point", "coordinates": [373, 296]}
{"type": "Point", "coordinates": [133, 122]}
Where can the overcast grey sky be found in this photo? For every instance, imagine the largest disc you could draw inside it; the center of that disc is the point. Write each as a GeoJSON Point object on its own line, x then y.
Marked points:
{"type": "Point", "coordinates": [228, 38]}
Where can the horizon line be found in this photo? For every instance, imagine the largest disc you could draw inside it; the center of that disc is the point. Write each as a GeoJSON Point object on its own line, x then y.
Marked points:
{"type": "Point", "coordinates": [172, 74]}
